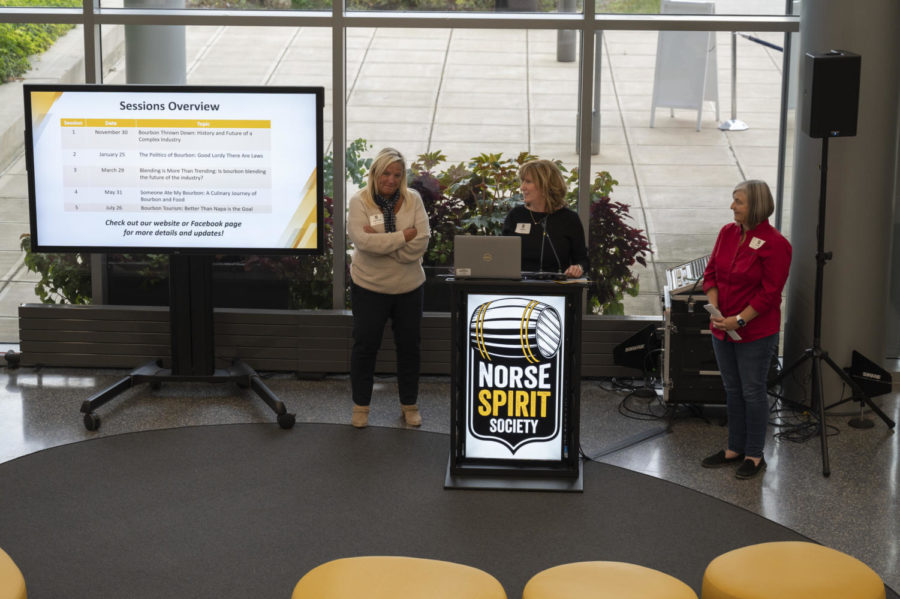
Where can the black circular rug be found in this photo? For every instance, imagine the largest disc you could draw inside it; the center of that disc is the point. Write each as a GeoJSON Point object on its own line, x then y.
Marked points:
{"type": "Point", "coordinates": [245, 510]}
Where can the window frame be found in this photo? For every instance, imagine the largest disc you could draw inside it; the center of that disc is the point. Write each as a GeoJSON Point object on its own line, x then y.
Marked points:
{"type": "Point", "coordinates": [587, 24]}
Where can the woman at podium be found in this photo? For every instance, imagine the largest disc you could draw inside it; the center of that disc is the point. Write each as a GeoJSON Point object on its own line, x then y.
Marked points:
{"type": "Point", "coordinates": [744, 278]}
{"type": "Point", "coordinates": [552, 235]}
{"type": "Point", "coordinates": [389, 229]}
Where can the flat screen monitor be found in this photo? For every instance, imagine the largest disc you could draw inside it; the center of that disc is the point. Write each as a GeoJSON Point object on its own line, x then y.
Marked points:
{"type": "Point", "coordinates": [174, 169]}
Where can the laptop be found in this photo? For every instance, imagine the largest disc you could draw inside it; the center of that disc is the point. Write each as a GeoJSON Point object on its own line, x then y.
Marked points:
{"type": "Point", "coordinates": [487, 257]}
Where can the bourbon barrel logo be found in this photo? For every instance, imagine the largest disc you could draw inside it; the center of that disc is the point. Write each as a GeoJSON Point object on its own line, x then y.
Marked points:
{"type": "Point", "coordinates": [514, 371]}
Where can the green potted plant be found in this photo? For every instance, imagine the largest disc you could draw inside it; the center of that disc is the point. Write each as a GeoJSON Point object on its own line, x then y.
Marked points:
{"type": "Point", "coordinates": [614, 246]}
{"type": "Point", "coordinates": [475, 197]}
{"type": "Point", "coordinates": [65, 278]}
{"type": "Point", "coordinates": [472, 197]}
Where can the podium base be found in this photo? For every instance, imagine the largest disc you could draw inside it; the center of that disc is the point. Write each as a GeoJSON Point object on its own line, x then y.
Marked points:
{"type": "Point", "coordinates": [513, 482]}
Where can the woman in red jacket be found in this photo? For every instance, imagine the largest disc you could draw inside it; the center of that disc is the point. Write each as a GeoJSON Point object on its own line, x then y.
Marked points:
{"type": "Point", "coordinates": [744, 279]}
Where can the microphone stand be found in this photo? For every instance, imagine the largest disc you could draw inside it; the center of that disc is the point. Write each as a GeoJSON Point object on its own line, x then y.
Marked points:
{"type": "Point", "coordinates": [547, 237]}
{"type": "Point", "coordinates": [543, 239]}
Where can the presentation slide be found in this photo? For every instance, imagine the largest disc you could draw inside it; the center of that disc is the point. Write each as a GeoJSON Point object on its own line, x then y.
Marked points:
{"type": "Point", "coordinates": [194, 169]}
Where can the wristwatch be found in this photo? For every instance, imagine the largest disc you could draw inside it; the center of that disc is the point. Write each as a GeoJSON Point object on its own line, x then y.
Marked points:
{"type": "Point", "coordinates": [741, 322]}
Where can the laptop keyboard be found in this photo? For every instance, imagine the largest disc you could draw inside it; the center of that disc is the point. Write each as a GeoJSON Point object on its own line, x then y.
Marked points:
{"type": "Point", "coordinates": [543, 276]}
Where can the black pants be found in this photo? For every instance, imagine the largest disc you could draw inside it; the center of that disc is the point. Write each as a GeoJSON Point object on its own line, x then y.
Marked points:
{"type": "Point", "coordinates": [371, 311]}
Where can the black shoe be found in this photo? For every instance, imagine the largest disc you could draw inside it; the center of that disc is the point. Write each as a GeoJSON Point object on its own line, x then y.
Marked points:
{"type": "Point", "coordinates": [717, 460]}
{"type": "Point", "coordinates": [748, 469]}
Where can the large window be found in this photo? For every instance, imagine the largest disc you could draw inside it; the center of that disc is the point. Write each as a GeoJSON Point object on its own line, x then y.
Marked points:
{"type": "Point", "coordinates": [461, 87]}
{"type": "Point", "coordinates": [678, 174]}
{"type": "Point", "coordinates": [462, 93]}
{"type": "Point", "coordinates": [18, 41]}
{"type": "Point", "coordinates": [227, 55]}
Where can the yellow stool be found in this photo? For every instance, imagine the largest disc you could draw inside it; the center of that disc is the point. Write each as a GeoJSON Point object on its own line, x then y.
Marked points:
{"type": "Point", "coordinates": [387, 577]}
{"type": "Point", "coordinates": [795, 570]}
{"type": "Point", "coordinates": [605, 580]}
{"type": "Point", "coordinates": [12, 584]}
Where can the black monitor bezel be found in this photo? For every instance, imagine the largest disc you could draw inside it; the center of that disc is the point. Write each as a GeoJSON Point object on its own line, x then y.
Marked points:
{"type": "Point", "coordinates": [36, 245]}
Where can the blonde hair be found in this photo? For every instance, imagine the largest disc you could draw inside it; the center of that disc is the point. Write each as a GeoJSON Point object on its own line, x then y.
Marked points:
{"type": "Point", "coordinates": [549, 181]}
{"type": "Point", "coordinates": [760, 204]}
{"type": "Point", "coordinates": [384, 159]}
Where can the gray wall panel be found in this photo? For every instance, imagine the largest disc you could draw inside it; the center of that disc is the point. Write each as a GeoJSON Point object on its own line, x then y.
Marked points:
{"type": "Point", "coordinates": [306, 341]}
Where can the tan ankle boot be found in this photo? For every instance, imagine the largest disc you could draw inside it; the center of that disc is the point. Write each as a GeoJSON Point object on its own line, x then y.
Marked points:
{"type": "Point", "coordinates": [411, 415]}
{"type": "Point", "coordinates": [360, 418]}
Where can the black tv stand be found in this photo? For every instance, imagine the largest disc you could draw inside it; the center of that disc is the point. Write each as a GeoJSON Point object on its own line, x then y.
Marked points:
{"type": "Point", "coordinates": [193, 349]}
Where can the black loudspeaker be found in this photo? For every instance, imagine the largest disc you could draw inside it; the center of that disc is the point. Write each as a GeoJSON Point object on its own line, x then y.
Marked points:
{"type": "Point", "coordinates": [640, 351]}
{"type": "Point", "coordinates": [830, 100]}
{"type": "Point", "coordinates": [871, 378]}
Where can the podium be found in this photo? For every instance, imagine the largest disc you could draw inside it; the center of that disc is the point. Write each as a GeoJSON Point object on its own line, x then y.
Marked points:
{"type": "Point", "coordinates": [515, 385]}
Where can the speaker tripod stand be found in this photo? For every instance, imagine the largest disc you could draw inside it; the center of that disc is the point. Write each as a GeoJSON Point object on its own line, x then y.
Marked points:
{"type": "Point", "coordinates": [815, 354]}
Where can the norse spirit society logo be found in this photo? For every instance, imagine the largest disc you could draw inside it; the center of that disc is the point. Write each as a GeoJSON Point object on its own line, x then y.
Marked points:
{"type": "Point", "coordinates": [514, 386]}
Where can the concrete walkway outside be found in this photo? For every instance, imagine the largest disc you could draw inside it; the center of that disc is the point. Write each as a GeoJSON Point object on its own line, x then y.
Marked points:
{"type": "Point", "coordinates": [465, 92]}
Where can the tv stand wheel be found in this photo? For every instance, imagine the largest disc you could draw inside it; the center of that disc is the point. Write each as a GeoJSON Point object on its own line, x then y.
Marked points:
{"type": "Point", "coordinates": [91, 421]}
{"type": "Point", "coordinates": [286, 421]}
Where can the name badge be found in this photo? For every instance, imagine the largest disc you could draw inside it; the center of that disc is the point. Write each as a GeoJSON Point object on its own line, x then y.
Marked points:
{"type": "Point", "coordinates": [756, 243]}
{"type": "Point", "coordinates": [376, 219]}
{"type": "Point", "coordinates": [523, 228]}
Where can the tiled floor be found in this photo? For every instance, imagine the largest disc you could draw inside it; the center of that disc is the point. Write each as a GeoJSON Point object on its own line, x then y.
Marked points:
{"type": "Point", "coordinates": [855, 510]}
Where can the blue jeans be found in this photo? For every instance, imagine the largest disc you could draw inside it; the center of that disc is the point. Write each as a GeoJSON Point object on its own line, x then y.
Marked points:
{"type": "Point", "coordinates": [745, 368]}
{"type": "Point", "coordinates": [371, 311]}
